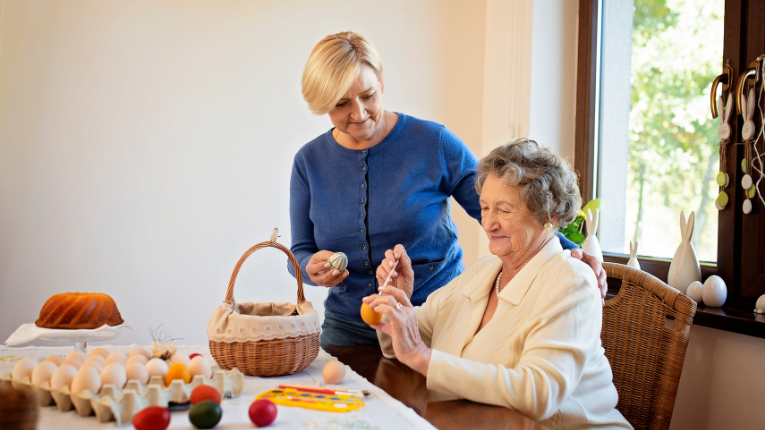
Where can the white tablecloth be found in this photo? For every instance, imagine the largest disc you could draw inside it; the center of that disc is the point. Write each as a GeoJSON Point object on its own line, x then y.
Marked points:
{"type": "Point", "coordinates": [381, 410]}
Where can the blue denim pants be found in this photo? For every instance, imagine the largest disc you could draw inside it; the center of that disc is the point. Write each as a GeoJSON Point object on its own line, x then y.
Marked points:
{"type": "Point", "coordinates": [339, 331]}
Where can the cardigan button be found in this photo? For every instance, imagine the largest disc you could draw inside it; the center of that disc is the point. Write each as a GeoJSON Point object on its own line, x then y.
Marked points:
{"type": "Point", "coordinates": [371, 273]}
{"type": "Point", "coordinates": [365, 247]}
{"type": "Point", "coordinates": [364, 169]}
{"type": "Point", "coordinates": [363, 151]}
{"type": "Point", "coordinates": [361, 215]}
{"type": "Point", "coordinates": [366, 263]}
{"type": "Point", "coordinates": [361, 231]}
{"type": "Point", "coordinates": [363, 200]}
{"type": "Point", "coordinates": [363, 186]}
{"type": "Point", "coordinates": [369, 284]}
{"type": "Point", "coordinates": [431, 267]}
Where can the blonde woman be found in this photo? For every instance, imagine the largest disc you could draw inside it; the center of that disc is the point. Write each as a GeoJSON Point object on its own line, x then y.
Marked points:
{"type": "Point", "coordinates": [375, 179]}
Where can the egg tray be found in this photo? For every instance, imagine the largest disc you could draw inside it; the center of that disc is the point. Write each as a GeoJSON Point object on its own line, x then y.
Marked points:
{"type": "Point", "coordinates": [121, 404]}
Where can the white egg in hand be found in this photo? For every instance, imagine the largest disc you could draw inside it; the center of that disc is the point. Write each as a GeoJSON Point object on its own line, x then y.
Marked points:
{"type": "Point", "coordinates": [63, 376]}
{"type": "Point", "coordinates": [137, 371]}
{"type": "Point", "coordinates": [157, 367]}
{"type": "Point", "coordinates": [23, 368]}
{"type": "Point", "coordinates": [115, 374]}
{"type": "Point", "coordinates": [43, 372]}
{"type": "Point", "coordinates": [87, 379]}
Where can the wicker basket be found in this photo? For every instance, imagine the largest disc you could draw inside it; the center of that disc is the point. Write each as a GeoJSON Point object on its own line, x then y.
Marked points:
{"type": "Point", "coordinates": [265, 339]}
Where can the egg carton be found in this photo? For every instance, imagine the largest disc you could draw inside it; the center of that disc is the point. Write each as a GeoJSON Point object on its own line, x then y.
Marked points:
{"type": "Point", "coordinates": [121, 404]}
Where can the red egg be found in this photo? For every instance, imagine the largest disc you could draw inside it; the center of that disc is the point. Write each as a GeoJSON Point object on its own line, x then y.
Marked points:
{"type": "Point", "coordinates": [194, 355]}
{"type": "Point", "coordinates": [152, 418]}
{"type": "Point", "coordinates": [262, 412]}
{"type": "Point", "coordinates": [204, 392]}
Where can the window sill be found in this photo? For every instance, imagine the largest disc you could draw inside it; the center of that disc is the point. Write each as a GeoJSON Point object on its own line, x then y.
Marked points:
{"type": "Point", "coordinates": [736, 316]}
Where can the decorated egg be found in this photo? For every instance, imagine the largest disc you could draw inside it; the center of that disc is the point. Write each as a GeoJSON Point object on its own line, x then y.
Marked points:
{"type": "Point", "coordinates": [138, 372]}
{"type": "Point", "coordinates": [204, 392]}
{"type": "Point", "coordinates": [178, 371]}
{"type": "Point", "coordinates": [338, 261]}
{"type": "Point", "coordinates": [56, 359]}
{"type": "Point", "coordinates": [63, 376]}
{"type": "Point", "coordinates": [137, 359]}
{"type": "Point", "coordinates": [100, 351]}
{"type": "Point", "coordinates": [369, 315]}
{"type": "Point", "coordinates": [152, 418]}
{"type": "Point", "coordinates": [333, 372]}
{"type": "Point", "coordinates": [43, 372]}
{"type": "Point", "coordinates": [205, 414]}
{"type": "Point", "coordinates": [715, 292]}
{"type": "Point", "coordinates": [87, 379]}
{"type": "Point", "coordinates": [114, 374]}
{"type": "Point", "coordinates": [24, 368]}
{"type": "Point", "coordinates": [694, 291]}
{"type": "Point", "coordinates": [200, 366]}
{"type": "Point", "coordinates": [157, 367]}
{"type": "Point", "coordinates": [262, 412]}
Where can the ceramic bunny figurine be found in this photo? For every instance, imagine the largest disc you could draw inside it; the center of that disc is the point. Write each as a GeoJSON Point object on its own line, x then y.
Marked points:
{"type": "Point", "coordinates": [591, 244]}
{"type": "Point", "coordinates": [633, 257]}
{"type": "Point", "coordinates": [747, 104]}
{"type": "Point", "coordinates": [723, 132]}
{"type": "Point", "coordinates": [684, 268]}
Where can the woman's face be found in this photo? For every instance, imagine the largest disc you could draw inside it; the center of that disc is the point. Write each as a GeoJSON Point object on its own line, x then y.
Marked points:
{"type": "Point", "coordinates": [360, 112]}
{"type": "Point", "coordinates": [507, 221]}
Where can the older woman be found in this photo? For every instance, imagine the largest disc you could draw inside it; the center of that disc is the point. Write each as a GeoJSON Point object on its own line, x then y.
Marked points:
{"type": "Point", "coordinates": [377, 178]}
{"type": "Point", "coordinates": [521, 328]}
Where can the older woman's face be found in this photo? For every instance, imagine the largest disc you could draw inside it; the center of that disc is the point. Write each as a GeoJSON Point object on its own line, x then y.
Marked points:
{"type": "Point", "coordinates": [507, 220]}
{"type": "Point", "coordinates": [360, 112]}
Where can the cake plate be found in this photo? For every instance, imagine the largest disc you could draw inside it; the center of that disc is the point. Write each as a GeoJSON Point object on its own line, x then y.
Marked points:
{"type": "Point", "coordinates": [80, 338]}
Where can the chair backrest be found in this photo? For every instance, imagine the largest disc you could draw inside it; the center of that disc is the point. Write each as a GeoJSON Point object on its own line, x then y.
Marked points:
{"type": "Point", "coordinates": [646, 356]}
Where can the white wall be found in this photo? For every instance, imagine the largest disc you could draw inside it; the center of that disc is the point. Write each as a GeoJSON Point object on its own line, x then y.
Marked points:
{"type": "Point", "coordinates": [145, 145]}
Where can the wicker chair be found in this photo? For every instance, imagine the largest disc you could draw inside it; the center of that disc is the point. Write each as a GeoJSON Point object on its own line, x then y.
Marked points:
{"type": "Point", "coordinates": [646, 357]}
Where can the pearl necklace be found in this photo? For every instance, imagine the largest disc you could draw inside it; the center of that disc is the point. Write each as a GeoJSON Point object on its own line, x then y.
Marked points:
{"type": "Point", "coordinates": [496, 283]}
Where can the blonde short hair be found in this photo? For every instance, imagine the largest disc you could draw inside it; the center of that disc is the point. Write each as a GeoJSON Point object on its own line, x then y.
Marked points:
{"type": "Point", "coordinates": [333, 67]}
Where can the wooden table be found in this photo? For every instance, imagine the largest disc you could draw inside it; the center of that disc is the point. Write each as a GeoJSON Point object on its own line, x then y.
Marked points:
{"type": "Point", "coordinates": [408, 387]}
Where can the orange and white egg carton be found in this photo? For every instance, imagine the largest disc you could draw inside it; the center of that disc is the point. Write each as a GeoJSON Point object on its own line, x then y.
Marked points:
{"type": "Point", "coordinates": [120, 405]}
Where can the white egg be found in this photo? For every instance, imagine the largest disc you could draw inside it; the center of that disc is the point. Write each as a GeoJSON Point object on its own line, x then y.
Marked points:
{"type": "Point", "coordinates": [179, 357]}
{"type": "Point", "coordinates": [694, 291]}
{"type": "Point", "coordinates": [59, 360]}
{"type": "Point", "coordinates": [79, 354]}
{"type": "Point", "coordinates": [137, 359]}
{"type": "Point", "coordinates": [138, 372]}
{"type": "Point", "coordinates": [116, 357]}
{"type": "Point", "coordinates": [139, 351]}
{"type": "Point", "coordinates": [157, 367]}
{"type": "Point", "coordinates": [63, 376]}
{"type": "Point", "coordinates": [87, 379]}
{"type": "Point", "coordinates": [43, 372]}
{"type": "Point", "coordinates": [114, 374]}
{"type": "Point", "coordinates": [24, 368]}
{"type": "Point", "coordinates": [100, 351]}
{"type": "Point", "coordinates": [199, 366]}
{"type": "Point", "coordinates": [73, 361]}
{"type": "Point", "coordinates": [715, 292]}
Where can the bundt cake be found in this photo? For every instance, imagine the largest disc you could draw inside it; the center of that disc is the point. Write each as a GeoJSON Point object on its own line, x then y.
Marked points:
{"type": "Point", "coordinates": [79, 311]}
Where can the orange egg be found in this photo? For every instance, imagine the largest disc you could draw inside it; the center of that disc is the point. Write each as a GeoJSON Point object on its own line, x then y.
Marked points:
{"type": "Point", "coordinates": [369, 316]}
{"type": "Point", "coordinates": [178, 371]}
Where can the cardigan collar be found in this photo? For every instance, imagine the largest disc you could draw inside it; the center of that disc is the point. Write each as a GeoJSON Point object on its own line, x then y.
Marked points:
{"type": "Point", "coordinates": [516, 289]}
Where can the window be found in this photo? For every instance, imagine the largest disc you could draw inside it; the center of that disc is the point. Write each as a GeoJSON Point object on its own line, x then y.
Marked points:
{"type": "Point", "coordinates": [646, 143]}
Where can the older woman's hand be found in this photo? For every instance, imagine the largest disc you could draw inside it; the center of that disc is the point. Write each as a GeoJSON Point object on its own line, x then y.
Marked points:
{"type": "Point", "coordinates": [600, 274]}
{"type": "Point", "coordinates": [403, 275]}
{"type": "Point", "coordinates": [321, 272]}
{"type": "Point", "coordinates": [402, 327]}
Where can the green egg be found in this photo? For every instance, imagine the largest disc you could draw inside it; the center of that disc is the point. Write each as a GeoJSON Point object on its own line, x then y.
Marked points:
{"type": "Point", "coordinates": [751, 192]}
{"type": "Point", "coordinates": [205, 414]}
{"type": "Point", "coordinates": [722, 199]}
{"type": "Point", "coordinates": [743, 165]}
{"type": "Point", "coordinates": [721, 179]}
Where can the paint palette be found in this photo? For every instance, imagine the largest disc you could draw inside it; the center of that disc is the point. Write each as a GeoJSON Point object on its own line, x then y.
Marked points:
{"type": "Point", "coordinates": [319, 402]}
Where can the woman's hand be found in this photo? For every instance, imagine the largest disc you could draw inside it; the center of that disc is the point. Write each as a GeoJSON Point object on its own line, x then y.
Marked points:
{"type": "Point", "coordinates": [321, 272]}
{"type": "Point", "coordinates": [403, 275]}
{"type": "Point", "coordinates": [600, 274]}
{"type": "Point", "coordinates": [402, 327]}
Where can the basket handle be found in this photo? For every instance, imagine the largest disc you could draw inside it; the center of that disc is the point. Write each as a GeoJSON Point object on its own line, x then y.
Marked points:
{"type": "Point", "coordinates": [268, 244]}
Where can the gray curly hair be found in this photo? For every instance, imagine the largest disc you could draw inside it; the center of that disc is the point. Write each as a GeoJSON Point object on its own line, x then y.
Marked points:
{"type": "Point", "coordinates": [549, 185]}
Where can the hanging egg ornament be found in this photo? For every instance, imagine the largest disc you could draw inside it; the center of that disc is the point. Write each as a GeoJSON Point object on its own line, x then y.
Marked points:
{"type": "Point", "coordinates": [746, 182]}
{"type": "Point", "coordinates": [722, 200]}
{"type": "Point", "coordinates": [747, 207]}
{"type": "Point", "coordinates": [743, 165]}
{"type": "Point", "coordinates": [338, 261]}
{"type": "Point", "coordinates": [750, 193]}
{"type": "Point", "coordinates": [723, 179]}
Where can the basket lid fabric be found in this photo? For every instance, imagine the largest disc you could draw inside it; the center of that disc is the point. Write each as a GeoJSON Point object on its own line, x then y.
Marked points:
{"type": "Point", "coordinates": [242, 322]}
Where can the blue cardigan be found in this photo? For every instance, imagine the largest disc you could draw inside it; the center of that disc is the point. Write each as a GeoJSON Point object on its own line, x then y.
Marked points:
{"type": "Point", "coordinates": [364, 202]}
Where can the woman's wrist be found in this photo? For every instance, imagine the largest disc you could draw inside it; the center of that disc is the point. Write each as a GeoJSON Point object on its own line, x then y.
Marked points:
{"type": "Point", "coordinates": [420, 360]}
